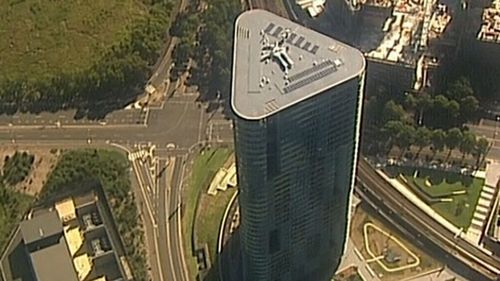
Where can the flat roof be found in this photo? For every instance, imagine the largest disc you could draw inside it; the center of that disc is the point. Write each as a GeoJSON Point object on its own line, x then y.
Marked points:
{"type": "Point", "coordinates": [54, 263]}
{"type": "Point", "coordinates": [66, 209]}
{"type": "Point", "coordinates": [83, 266]}
{"type": "Point", "coordinates": [74, 239]}
{"type": "Point", "coordinates": [278, 63]}
{"type": "Point", "coordinates": [41, 226]}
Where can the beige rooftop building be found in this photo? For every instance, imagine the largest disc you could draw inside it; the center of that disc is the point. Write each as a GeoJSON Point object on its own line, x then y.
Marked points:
{"type": "Point", "coordinates": [490, 27]}
{"type": "Point", "coordinates": [69, 241]}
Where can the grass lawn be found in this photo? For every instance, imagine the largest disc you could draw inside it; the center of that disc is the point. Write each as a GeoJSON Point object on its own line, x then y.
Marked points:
{"type": "Point", "coordinates": [204, 168]}
{"type": "Point", "coordinates": [10, 214]}
{"type": "Point", "coordinates": [210, 217]}
{"type": "Point", "coordinates": [46, 38]}
{"type": "Point", "coordinates": [461, 209]}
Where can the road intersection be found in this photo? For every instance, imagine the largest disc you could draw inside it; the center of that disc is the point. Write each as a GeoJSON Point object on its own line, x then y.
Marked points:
{"type": "Point", "coordinates": [175, 130]}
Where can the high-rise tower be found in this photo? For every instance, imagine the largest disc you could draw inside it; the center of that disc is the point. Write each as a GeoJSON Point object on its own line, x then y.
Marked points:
{"type": "Point", "coordinates": [297, 97]}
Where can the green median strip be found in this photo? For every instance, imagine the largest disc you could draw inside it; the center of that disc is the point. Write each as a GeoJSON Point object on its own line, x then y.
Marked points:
{"type": "Point", "coordinates": [202, 171]}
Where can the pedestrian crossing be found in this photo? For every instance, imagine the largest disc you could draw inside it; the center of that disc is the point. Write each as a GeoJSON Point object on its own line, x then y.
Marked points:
{"type": "Point", "coordinates": [481, 214]}
{"type": "Point", "coordinates": [140, 154]}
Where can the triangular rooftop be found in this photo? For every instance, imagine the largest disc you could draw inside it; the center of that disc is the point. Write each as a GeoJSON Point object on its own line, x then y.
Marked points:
{"type": "Point", "coordinates": [278, 63]}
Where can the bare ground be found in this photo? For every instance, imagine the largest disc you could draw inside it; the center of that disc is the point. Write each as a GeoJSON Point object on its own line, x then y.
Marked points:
{"type": "Point", "coordinates": [44, 162]}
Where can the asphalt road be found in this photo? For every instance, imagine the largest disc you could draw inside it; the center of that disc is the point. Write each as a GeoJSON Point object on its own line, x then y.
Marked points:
{"type": "Point", "coordinates": [182, 123]}
{"type": "Point", "coordinates": [67, 118]}
{"type": "Point", "coordinates": [175, 129]}
{"type": "Point", "coordinates": [159, 194]}
{"type": "Point", "coordinates": [173, 218]}
{"type": "Point", "coordinates": [163, 67]}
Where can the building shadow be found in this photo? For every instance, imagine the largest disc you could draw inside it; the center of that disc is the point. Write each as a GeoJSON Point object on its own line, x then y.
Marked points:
{"type": "Point", "coordinates": [19, 264]}
{"type": "Point", "coordinates": [227, 266]}
{"type": "Point", "coordinates": [91, 108]}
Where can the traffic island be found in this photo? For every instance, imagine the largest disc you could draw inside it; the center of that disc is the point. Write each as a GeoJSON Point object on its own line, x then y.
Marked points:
{"type": "Point", "coordinates": [388, 253]}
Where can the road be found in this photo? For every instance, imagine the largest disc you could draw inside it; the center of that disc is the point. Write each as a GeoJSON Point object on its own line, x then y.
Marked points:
{"type": "Point", "coordinates": [182, 124]}
{"type": "Point", "coordinates": [181, 121]}
{"type": "Point", "coordinates": [463, 257]}
{"type": "Point", "coordinates": [175, 129]}
{"type": "Point", "coordinates": [69, 118]}
{"type": "Point", "coordinates": [490, 130]}
{"type": "Point", "coordinates": [163, 66]}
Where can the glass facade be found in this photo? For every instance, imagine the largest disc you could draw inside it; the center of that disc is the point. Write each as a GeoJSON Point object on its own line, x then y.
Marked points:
{"type": "Point", "coordinates": [295, 174]}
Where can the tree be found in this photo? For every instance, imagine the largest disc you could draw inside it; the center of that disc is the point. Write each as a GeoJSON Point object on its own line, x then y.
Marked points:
{"type": "Point", "coordinates": [422, 139]}
{"type": "Point", "coordinates": [467, 144]}
{"type": "Point", "coordinates": [460, 89]}
{"type": "Point", "coordinates": [390, 130]}
{"type": "Point", "coordinates": [410, 102]}
{"type": "Point", "coordinates": [453, 138]}
{"type": "Point", "coordinates": [468, 108]}
{"type": "Point", "coordinates": [182, 52]}
{"type": "Point", "coordinates": [481, 149]}
{"type": "Point", "coordinates": [424, 102]}
{"type": "Point", "coordinates": [216, 44]}
{"type": "Point", "coordinates": [444, 112]}
{"type": "Point", "coordinates": [394, 112]}
{"type": "Point", "coordinates": [405, 138]}
{"type": "Point", "coordinates": [185, 26]}
{"type": "Point", "coordinates": [438, 141]}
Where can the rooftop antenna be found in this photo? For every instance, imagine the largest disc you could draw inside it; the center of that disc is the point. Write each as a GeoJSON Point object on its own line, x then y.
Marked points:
{"type": "Point", "coordinates": [264, 40]}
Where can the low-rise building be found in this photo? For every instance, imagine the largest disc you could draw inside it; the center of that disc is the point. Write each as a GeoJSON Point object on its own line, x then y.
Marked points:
{"type": "Point", "coordinates": [67, 241]}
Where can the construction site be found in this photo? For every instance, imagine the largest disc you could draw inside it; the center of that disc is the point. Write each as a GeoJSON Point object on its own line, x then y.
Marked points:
{"type": "Point", "coordinates": [490, 26]}
{"type": "Point", "coordinates": [485, 47]}
{"type": "Point", "coordinates": [404, 40]}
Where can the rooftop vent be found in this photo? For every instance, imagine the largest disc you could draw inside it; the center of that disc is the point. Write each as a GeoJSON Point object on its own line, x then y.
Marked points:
{"type": "Point", "coordinates": [276, 51]}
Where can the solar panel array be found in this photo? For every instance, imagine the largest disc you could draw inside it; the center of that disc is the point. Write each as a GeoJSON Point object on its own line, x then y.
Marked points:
{"type": "Point", "coordinates": [310, 71]}
{"type": "Point", "coordinates": [315, 77]}
{"type": "Point", "coordinates": [294, 39]}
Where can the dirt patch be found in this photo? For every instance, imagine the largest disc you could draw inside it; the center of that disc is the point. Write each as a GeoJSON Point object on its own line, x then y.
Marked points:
{"type": "Point", "coordinates": [348, 274]}
{"type": "Point", "coordinates": [45, 161]}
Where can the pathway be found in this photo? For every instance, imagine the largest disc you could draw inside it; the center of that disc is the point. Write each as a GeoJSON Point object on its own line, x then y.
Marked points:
{"type": "Point", "coordinates": [484, 204]}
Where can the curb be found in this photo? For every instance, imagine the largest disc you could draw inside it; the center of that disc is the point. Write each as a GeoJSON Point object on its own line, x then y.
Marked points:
{"type": "Point", "coordinates": [39, 127]}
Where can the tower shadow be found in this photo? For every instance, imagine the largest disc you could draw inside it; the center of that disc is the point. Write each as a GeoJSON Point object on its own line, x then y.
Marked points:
{"type": "Point", "coordinates": [227, 266]}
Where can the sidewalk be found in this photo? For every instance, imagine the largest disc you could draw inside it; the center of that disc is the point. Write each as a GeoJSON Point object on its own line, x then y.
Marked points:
{"type": "Point", "coordinates": [351, 258]}
{"type": "Point", "coordinates": [484, 204]}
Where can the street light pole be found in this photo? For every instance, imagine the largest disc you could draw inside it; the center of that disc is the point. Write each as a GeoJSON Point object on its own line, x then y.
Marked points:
{"type": "Point", "coordinates": [497, 120]}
